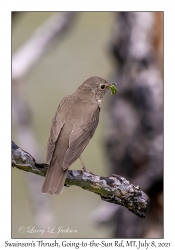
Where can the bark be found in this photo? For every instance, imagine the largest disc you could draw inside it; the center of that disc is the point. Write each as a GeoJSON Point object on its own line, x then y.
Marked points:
{"type": "Point", "coordinates": [115, 189]}
{"type": "Point", "coordinates": [134, 138]}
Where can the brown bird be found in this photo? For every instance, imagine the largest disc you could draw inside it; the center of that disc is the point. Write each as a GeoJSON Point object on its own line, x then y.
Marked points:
{"type": "Point", "coordinates": [73, 126]}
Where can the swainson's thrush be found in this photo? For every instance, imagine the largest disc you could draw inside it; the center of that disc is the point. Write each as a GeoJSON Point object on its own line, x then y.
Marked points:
{"type": "Point", "coordinates": [73, 126]}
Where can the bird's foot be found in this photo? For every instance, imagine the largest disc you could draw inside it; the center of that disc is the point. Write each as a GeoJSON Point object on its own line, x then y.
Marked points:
{"type": "Point", "coordinates": [84, 169]}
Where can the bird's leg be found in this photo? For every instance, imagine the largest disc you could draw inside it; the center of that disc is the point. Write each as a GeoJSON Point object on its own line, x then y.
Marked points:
{"type": "Point", "coordinates": [84, 168]}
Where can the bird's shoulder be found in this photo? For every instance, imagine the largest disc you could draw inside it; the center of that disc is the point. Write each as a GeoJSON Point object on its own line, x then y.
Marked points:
{"type": "Point", "coordinates": [76, 103]}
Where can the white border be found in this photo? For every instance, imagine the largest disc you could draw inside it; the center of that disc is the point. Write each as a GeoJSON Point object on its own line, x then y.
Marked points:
{"type": "Point", "coordinates": [5, 94]}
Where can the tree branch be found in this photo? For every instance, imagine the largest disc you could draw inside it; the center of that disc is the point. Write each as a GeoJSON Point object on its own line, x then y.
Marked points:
{"type": "Point", "coordinates": [115, 189]}
{"type": "Point", "coordinates": [39, 42]}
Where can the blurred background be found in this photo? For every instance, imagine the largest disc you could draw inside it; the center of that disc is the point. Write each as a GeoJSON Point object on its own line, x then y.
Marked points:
{"type": "Point", "coordinates": [52, 54]}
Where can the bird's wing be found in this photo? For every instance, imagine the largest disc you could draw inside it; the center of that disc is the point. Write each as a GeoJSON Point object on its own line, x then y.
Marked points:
{"type": "Point", "coordinates": [79, 138]}
{"type": "Point", "coordinates": [57, 125]}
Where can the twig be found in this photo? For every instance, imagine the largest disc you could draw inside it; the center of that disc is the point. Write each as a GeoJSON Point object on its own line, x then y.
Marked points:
{"type": "Point", "coordinates": [115, 189]}
{"type": "Point", "coordinates": [32, 50]}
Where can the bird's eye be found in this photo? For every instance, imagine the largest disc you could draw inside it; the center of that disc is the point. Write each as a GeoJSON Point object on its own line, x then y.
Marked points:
{"type": "Point", "coordinates": [102, 86]}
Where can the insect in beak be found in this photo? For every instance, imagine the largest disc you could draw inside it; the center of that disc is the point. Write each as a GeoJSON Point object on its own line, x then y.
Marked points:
{"type": "Point", "coordinates": [113, 88]}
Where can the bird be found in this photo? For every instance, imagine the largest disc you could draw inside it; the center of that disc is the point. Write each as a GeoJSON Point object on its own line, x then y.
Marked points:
{"type": "Point", "coordinates": [72, 128]}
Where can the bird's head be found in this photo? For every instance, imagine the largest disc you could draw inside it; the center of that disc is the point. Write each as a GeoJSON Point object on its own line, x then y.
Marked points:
{"type": "Point", "coordinates": [97, 87]}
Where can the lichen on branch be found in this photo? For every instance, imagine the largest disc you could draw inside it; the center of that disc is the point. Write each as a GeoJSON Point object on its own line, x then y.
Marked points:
{"type": "Point", "coordinates": [115, 189]}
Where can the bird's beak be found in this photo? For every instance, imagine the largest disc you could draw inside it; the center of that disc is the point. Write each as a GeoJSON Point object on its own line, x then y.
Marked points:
{"type": "Point", "coordinates": [113, 88]}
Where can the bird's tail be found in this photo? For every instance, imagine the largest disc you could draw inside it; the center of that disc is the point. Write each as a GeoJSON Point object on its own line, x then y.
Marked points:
{"type": "Point", "coordinates": [54, 180]}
